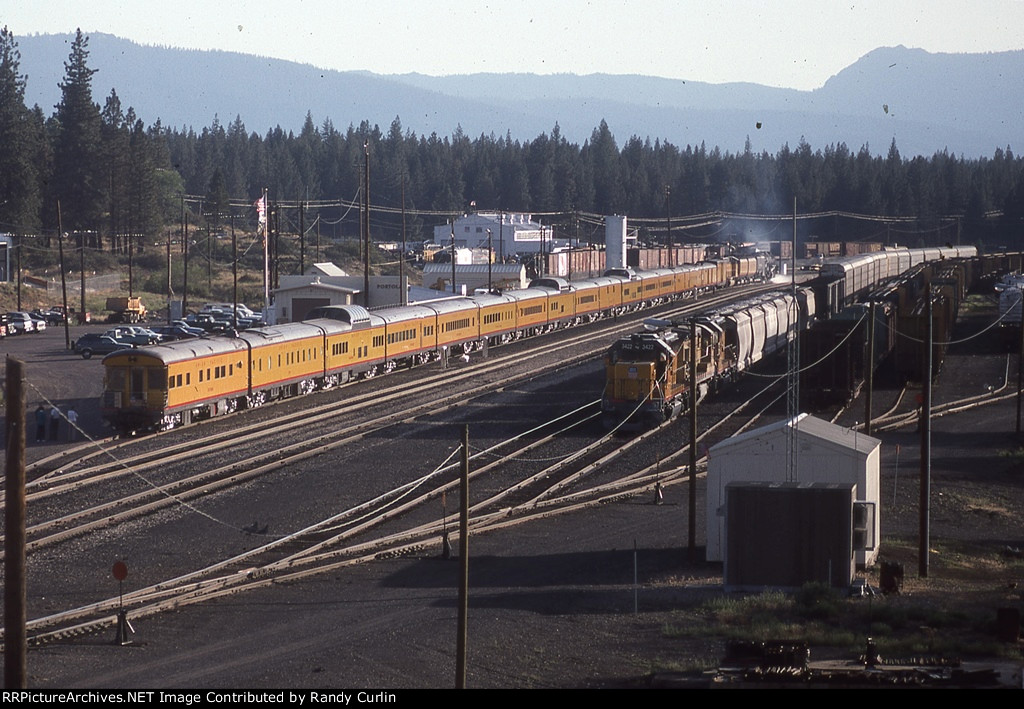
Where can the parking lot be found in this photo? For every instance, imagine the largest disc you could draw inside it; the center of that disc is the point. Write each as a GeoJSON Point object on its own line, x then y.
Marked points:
{"type": "Point", "coordinates": [57, 376]}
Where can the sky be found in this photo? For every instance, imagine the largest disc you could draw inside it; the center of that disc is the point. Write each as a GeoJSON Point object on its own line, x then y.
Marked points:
{"type": "Point", "coordinates": [795, 44]}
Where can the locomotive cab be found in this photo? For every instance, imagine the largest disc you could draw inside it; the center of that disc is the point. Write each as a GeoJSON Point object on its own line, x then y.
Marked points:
{"type": "Point", "coordinates": [640, 379]}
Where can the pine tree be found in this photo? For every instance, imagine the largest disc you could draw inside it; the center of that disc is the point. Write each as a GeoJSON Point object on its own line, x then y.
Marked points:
{"type": "Point", "coordinates": [78, 177]}
{"type": "Point", "coordinates": [114, 135]}
{"type": "Point", "coordinates": [19, 181]}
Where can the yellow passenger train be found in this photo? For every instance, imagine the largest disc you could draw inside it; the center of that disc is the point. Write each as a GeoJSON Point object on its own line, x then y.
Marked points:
{"type": "Point", "coordinates": [168, 385]}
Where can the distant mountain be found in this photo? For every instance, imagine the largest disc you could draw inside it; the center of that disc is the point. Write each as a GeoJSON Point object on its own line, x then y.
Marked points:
{"type": "Point", "coordinates": [968, 104]}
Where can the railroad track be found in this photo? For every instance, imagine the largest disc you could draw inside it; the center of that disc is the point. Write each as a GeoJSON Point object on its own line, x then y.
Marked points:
{"type": "Point", "coordinates": [68, 471]}
{"type": "Point", "coordinates": [67, 480]}
{"type": "Point", "coordinates": [570, 483]}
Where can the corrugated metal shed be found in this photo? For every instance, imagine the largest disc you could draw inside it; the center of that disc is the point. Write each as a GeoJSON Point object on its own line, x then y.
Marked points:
{"type": "Point", "coordinates": [825, 453]}
{"type": "Point", "coordinates": [784, 535]}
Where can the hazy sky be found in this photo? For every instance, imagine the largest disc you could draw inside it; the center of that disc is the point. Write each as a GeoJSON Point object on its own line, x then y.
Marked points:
{"type": "Point", "coordinates": [787, 43]}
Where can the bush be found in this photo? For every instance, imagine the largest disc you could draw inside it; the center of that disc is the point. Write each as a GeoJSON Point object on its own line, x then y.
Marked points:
{"type": "Point", "coordinates": [816, 600]}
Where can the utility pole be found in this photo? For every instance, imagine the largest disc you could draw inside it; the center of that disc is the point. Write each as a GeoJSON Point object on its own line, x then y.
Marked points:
{"type": "Point", "coordinates": [366, 224]}
{"type": "Point", "coordinates": [668, 225]}
{"type": "Point", "coordinates": [793, 371]}
{"type": "Point", "coordinates": [453, 258]}
{"type": "Point", "coordinates": [869, 363]}
{"type": "Point", "coordinates": [131, 267]}
{"type": "Point", "coordinates": [15, 635]}
{"type": "Point", "coordinates": [169, 295]}
{"type": "Point", "coordinates": [21, 239]}
{"type": "Point", "coordinates": [402, 285]}
{"type": "Point", "coordinates": [234, 275]}
{"type": "Point", "coordinates": [924, 500]}
{"type": "Point", "coordinates": [462, 637]}
{"type": "Point", "coordinates": [1020, 361]}
{"type": "Point", "coordinates": [63, 279]}
{"type": "Point", "coordinates": [692, 516]}
{"type": "Point", "coordinates": [302, 238]}
{"type": "Point", "coordinates": [184, 251]}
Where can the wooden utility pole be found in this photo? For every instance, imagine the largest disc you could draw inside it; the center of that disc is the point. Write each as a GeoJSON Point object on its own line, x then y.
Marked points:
{"type": "Point", "coordinates": [1020, 361]}
{"type": "Point", "coordinates": [302, 238]}
{"type": "Point", "coordinates": [21, 239]}
{"type": "Point", "coordinates": [234, 275]}
{"type": "Point", "coordinates": [460, 644]}
{"type": "Point", "coordinates": [366, 225]}
{"type": "Point", "coordinates": [402, 284]}
{"type": "Point", "coordinates": [869, 364]}
{"type": "Point", "coordinates": [184, 287]}
{"type": "Point", "coordinates": [64, 282]}
{"type": "Point", "coordinates": [169, 294]}
{"type": "Point", "coordinates": [15, 636]}
{"type": "Point", "coordinates": [924, 500]}
{"type": "Point", "coordinates": [692, 521]}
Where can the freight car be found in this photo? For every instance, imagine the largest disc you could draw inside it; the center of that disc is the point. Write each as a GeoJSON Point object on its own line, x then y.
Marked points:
{"type": "Point", "coordinates": [647, 375]}
{"type": "Point", "coordinates": [835, 354]}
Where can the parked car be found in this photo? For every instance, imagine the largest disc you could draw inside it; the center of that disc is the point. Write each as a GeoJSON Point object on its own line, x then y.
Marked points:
{"type": "Point", "coordinates": [176, 332]}
{"type": "Point", "coordinates": [136, 336]}
{"type": "Point", "coordinates": [92, 343]}
{"type": "Point", "coordinates": [52, 317]}
{"type": "Point", "coordinates": [19, 323]}
{"type": "Point", "coordinates": [38, 322]}
{"type": "Point", "coordinates": [206, 321]}
{"type": "Point", "coordinates": [195, 331]}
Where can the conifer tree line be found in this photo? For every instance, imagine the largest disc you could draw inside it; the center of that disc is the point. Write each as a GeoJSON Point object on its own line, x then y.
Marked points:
{"type": "Point", "coordinates": [118, 179]}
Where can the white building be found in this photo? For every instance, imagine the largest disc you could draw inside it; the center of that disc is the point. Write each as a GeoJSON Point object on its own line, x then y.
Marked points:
{"type": "Point", "coordinates": [825, 453]}
{"type": "Point", "coordinates": [510, 233]}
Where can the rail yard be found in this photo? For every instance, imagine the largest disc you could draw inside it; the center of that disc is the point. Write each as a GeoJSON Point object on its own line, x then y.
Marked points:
{"type": "Point", "coordinates": [261, 551]}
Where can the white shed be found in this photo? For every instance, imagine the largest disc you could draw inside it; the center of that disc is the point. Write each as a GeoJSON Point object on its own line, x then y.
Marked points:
{"type": "Point", "coordinates": [825, 453]}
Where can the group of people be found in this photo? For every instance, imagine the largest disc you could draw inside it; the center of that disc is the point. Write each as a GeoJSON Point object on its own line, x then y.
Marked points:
{"type": "Point", "coordinates": [54, 418]}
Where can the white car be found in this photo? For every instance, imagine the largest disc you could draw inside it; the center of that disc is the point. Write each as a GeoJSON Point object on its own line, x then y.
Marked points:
{"type": "Point", "coordinates": [18, 323]}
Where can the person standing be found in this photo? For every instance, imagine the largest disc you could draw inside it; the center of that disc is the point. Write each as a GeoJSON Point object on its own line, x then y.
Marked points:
{"type": "Point", "coordinates": [54, 422]}
{"type": "Point", "coordinates": [40, 424]}
{"type": "Point", "coordinates": [72, 423]}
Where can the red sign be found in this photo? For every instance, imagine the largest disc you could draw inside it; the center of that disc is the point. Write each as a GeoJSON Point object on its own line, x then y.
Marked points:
{"type": "Point", "coordinates": [120, 570]}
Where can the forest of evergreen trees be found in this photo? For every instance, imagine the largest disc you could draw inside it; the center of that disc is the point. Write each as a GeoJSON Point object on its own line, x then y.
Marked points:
{"type": "Point", "coordinates": [112, 175]}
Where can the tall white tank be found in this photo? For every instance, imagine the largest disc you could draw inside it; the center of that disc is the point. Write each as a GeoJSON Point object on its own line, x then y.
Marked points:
{"type": "Point", "coordinates": [615, 242]}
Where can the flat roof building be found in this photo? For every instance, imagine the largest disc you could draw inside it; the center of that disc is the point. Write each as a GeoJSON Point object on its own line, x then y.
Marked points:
{"type": "Point", "coordinates": [510, 233]}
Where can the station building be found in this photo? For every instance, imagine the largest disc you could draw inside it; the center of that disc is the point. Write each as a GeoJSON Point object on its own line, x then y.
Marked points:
{"type": "Point", "coordinates": [510, 233]}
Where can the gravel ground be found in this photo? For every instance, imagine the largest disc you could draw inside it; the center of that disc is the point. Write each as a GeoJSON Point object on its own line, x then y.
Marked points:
{"type": "Point", "coordinates": [588, 599]}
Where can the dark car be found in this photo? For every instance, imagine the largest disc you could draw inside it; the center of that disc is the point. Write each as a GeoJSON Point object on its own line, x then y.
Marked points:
{"type": "Point", "coordinates": [176, 332]}
{"type": "Point", "coordinates": [92, 343]}
{"type": "Point", "coordinates": [52, 317]}
{"type": "Point", "coordinates": [206, 321]}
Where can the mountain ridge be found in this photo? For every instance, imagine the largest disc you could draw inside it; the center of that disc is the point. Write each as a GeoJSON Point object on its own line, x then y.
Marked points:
{"type": "Point", "coordinates": [967, 104]}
